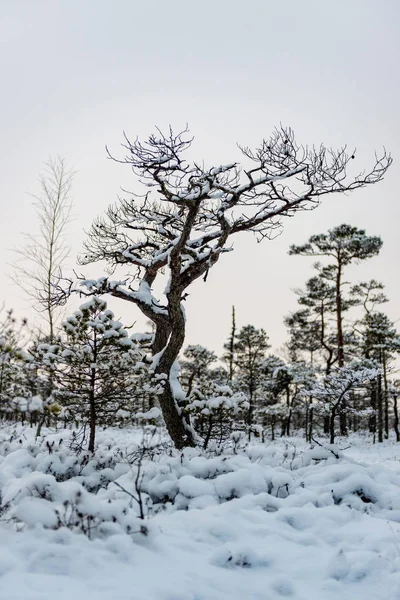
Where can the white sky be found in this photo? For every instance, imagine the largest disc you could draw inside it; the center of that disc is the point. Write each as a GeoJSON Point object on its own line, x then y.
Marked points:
{"type": "Point", "coordinates": [75, 73]}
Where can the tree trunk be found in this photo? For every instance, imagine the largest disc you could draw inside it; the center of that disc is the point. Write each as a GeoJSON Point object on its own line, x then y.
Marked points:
{"type": "Point", "coordinates": [232, 345]}
{"type": "Point", "coordinates": [326, 424]}
{"type": "Point", "coordinates": [209, 431]}
{"type": "Point", "coordinates": [92, 427]}
{"type": "Point", "coordinates": [251, 404]}
{"type": "Point", "coordinates": [310, 423]}
{"type": "Point", "coordinates": [340, 341]}
{"type": "Point", "coordinates": [385, 395]}
{"type": "Point", "coordinates": [92, 398]}
{"type": "Point", "coordinates": [289, 417]}
{"type": "Point", "coordinates": [173, 334]}
{"type": "Point", "coordinates": [343, 421]}
{"type": "Point", "coordinates": [307, 414]}
{"type": "Point", "coordinates": [180, 435]}
{"type": "Point", "coordinates": [339, 319]}
{"type": "Point", "coordinates": [92, 411]}
{"type": "Point", "coordinates": [332, 426]}
{"type": "Point", "coordinates": [396, 419]}
{"type": "Point", "coordinates": [379, 401]}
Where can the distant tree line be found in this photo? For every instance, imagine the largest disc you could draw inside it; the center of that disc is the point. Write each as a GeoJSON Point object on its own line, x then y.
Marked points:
{"type": "Point", "coordinates": [338, 373]}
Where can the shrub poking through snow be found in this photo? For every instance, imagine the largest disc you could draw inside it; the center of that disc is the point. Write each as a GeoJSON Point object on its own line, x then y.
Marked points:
{"type": "Point", "coordinates": [216, 416]}
{"type": "Point", "coordinates": [267, 514]}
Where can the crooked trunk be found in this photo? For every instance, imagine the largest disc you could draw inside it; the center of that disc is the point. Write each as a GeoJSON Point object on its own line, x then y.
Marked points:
{"type": "Point", "coordinates": [169, 340]}
{"type": "Point", "coordinates": [180, 435]}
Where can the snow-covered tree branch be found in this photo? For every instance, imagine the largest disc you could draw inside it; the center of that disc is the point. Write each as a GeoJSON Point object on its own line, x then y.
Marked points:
{"type": "Point", "coordinates": [183, 223]}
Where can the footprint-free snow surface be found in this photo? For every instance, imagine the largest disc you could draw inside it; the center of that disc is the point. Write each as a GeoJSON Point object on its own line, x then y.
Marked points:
{"type": "Point", "coordinates": [274, 521]}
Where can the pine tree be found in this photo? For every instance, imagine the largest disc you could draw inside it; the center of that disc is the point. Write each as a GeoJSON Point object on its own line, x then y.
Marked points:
{"type": "Point", "coordinates": [342, 245]}
{"type": "Point", "coordinates": [310, 327]}
{"type": "Point", "coordinates": [250, 347]}
{"type": "Point", "coordinates": [12, 363]}
{"type": "Point", "coordinates": [195, 366]}
{"type": "Point", "coordinates": [95, 365]}
{"type": "Point", "coordinates": [334, 391]}
{"type": "Point", "coordinates": [380, 341]}
{"type": "Point", "coordinates": [229, 346]}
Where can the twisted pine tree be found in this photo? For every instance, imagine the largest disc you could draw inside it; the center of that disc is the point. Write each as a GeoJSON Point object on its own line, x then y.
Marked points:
{"type": "Point", "coordinates": [184, 220]}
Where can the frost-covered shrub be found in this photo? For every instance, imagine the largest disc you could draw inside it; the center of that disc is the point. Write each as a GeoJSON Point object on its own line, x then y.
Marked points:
{"type": "Point", "coordinates": [333, 391]}
{"type": "Point", "coordinates": [216, 416]}
{"type": "Point", "coordinates": [43, 500]}
{"type": "Point", "coordinates": [42, 482]}
{"type": "Point", "coordinates": [270, 416]}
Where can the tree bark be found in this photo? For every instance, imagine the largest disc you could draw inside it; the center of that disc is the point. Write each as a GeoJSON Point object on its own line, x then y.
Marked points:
{"type": "Point", "coordinates": [379, 401]}
{"type": "Point", "coordinates": [396, 419]}
{"type": "Point", "coordinates": [179, 431]}
{"type": "Point", "coordinates": [310, 423]}
{"type": "Point", "coordinates": [332, 426]}
{"type": "Point", "coordinates": [385, 394]}
{"type": "Point", "coordinates": [326, 424]}
{"type": "Point", "coordinates": [92, 411]}
{"type": "Point", "coordinates": [232, 345]}
{"type": "Point", "coordinates": [340, 340]}
{"type": "Point", "coordinates": [289, 417]}
{"type": "Point", "coordinates": [339, 318]}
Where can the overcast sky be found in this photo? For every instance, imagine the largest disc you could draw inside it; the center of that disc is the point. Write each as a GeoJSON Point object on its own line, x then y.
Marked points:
{"type": "Point", "coordinates": [76, 73]}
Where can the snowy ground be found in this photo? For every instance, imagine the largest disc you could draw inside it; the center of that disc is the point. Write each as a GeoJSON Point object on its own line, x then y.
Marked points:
{"type": "Point", "coordinates": [274, 521]}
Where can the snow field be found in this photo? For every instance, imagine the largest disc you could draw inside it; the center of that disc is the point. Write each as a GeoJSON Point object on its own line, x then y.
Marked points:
{"type": "Point", "coordinates": [273, 521]}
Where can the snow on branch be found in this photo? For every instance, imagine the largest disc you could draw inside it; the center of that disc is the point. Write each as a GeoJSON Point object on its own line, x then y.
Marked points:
{"type": "Point", "coordinates": [204, 206]}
